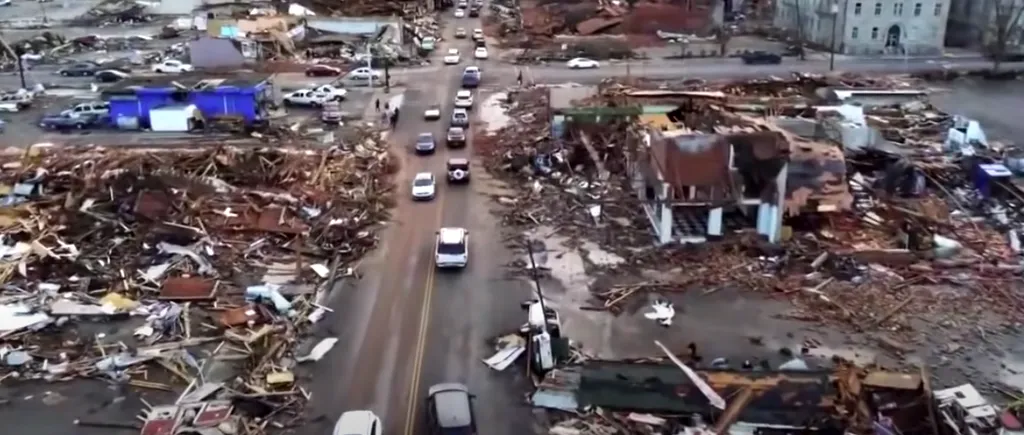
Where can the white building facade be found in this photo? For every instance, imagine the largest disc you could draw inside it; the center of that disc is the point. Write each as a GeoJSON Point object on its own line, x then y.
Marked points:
{"type": "Point", "coordinates": [868, 27]}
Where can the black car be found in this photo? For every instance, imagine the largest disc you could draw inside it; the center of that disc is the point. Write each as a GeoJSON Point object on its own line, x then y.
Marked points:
{"type": "Point", "coordinates": [474, 12]}
{"type": "Point", "coordinates": [79, 70]}
{"type": "Point", "coordinates": [67, 122]}
{"type": "Point", "coordinates": [761, 58]}
{"type": "Point", "coordinates": [322, 71]}
{"type": "Point", "coordinates": [456, 137]}
{"type": "Point", "coordinates": [111, 76]}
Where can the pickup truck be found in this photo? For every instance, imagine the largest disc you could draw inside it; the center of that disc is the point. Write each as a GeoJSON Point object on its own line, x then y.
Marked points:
{"type": "Point", "coordinates": [333, 93]}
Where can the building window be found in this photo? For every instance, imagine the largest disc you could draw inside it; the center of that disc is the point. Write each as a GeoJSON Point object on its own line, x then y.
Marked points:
{"type": "Point", "coordinates": [874, 33]}
{"type": "Point", "coordinates": [897, 9]}
{"type": "Point", "coordinates": [853, 35]}
{"type": "Point", "coordinates": [917, 9]}
{"type": "Point", "coordinates": [856, 8]}
{"type": "Point", "coordinates": [938, 9]}
{"type": "Point", "coordinates": [878, 8]}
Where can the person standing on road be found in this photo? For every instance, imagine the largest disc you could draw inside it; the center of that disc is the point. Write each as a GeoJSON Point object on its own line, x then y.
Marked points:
{"type": "Point", "coordinates": [378, 105]}
{"type": "Point", "coordinates": [519, 78]}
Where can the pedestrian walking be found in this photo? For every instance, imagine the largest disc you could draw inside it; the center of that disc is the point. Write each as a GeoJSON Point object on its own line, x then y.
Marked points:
{"type": "Point", "coordinates": [378, 105]}
{"type": "Point", "coordinates": [394, 120]}
{"type": "Point", "coordinates": [519, 78]}
{"type": "Point", "coordinates": [396, 114]}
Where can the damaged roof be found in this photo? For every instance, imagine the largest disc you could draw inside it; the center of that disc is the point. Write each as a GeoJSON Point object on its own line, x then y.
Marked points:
{"type": "Point", "coordinates": [780, 398]}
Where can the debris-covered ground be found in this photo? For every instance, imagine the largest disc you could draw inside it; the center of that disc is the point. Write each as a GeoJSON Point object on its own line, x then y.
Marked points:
{"type": "Point", "coordinates": [190, 276]}
{"type": "Point", "coordinates": [895, 253]}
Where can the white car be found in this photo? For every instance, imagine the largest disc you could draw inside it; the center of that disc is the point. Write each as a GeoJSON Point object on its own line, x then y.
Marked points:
{"type": "Point", "coordinates": [453, 57]}
{"type": "Point", "coordinates": [15, 102]}
{"type": "Point", "coordinates": [478, 34]}
{"type": "Point", "coordinates": [305, 97]}
{"type": "Point", "coordinates": [364, 73]}
{"type": "Point", "coordinates": [92, 108]}
{"type": "Point", "coordinates": [464, 98]}
{"type": "Point", "coordinates": [359, 423]}
{"type": "Point", "coordinates": [332, 93]}
{"type": "Point", "coordinates": [424, 186]}
{"type": "Point", "coordinates": [460, 13]}
{"type": "Point", "coordinates": [480, 53]}
{"type": "Point", "coordinates": [452, 247]}
{"type": "Point", "coordinates": [172, 66]}
{"type": "Point", "coordinates": [582, 63]}
{"type": "Point", "coordinates": [432, 113]}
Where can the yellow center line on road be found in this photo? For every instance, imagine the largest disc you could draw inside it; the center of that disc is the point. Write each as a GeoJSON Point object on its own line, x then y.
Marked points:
{"type": "Point", "coordinates": [421, 339]}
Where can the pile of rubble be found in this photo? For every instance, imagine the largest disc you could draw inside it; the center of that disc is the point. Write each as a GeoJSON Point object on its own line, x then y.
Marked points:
{"type": "Point", "coordinates": [901, 234]}
{"type": "Point", "coordinates": [211, 261]}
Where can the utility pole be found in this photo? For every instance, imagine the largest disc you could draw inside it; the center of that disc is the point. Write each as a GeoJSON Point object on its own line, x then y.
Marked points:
{"type": "Point", "coordinates": [369, 64]}
{"type": "Point", "coordinates": [834, 9]}
{"type": "Point", "coordinates": [536, 280]}
{"type": "Point", "coordinates": [17, 58]}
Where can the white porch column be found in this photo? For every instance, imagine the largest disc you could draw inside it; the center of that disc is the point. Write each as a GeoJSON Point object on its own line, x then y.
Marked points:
{"type": "Point", "coordinates": [715, 222]}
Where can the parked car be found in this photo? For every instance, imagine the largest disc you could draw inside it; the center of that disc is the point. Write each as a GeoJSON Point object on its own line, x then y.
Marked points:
{"type": "Point", "coordinates": [453, 57]}
{"type": "Point", "coordinates": [78, 70]}
{"type": "Point", "coordinates": [172, 66]}
{"type": "Point", "coordinates": [450, 409]}
{"type": "Point", "coordinates": [322, 71]}
{"type": "Point", "coordinates": [761, 58]}
{"type": "Point", "coordinates": [3, 126]}
{"type": "Point", "coordinates": [428, 44]}
{"type": "Point", "coordinates": [15, 102]}
{"type": "Point", "coordinates": [582, 63]}
{"type": "Point", "coordinates": [364, 73]}
{"type": "Point", "coordinates": [67, 122]}
{"type": "Point", "coordinates": [111, 76]}
{"type": "Point", "coordinates": [89, 109]}
{"type": "Point", "coordinates": [305, 97]}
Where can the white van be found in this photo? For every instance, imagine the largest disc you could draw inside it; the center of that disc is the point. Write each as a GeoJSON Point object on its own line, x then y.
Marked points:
{"type": "Point", "coordinates": [358, 423]}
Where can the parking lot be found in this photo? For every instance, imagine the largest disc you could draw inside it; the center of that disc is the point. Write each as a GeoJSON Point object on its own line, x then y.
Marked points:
{"type": "Point", "coordinates": [22, 129]}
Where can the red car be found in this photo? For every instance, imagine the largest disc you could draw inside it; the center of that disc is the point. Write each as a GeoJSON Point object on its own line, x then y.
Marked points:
{"type": "Point", "coordinates": [322, 71]}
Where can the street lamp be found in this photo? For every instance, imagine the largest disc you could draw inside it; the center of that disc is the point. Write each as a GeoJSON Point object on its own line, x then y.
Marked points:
{"type": "Point", "coordinates": [834, 10]}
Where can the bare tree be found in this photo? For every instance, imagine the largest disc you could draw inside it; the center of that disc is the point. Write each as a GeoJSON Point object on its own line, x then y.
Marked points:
{"type": "Point", "coordinates": [800, 24]}
{"type": "Point", "coordinates": [723, 34]}
{"type": "Point", "coordinates": [1002, 29]}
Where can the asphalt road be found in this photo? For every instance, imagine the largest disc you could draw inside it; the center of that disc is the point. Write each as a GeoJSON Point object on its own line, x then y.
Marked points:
{"type": "Point", "coordinates": [660, 69]}
{"type": "Point", "coordinates": [405, 326]}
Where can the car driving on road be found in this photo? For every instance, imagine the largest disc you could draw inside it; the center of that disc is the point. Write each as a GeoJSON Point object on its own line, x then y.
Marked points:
{"type": "Point", "coordinates": [464, 98]}
{"type": "Point", "coordinates": [425, 143]}
{"type": "Point", "coordinates": [78, 70]}
{"type": "Point", "coordinates": [424, 187]}
{"type": "Point", "coordinates": [111, 76]}
{"type": "Point", "coordinates": [172, 66]}
{"type": "Point", "coordinates": [480, 53]}
{"type": "Point", "coordinates": [460, 32]}
{"type": "Point", "coordinates": [456, 137]}
{"type": "Point", "coordinates": [460, 118]}
{"type": "Point", "coordinates": [453, 57]}
{"type": "Point", "coordinates": [452, 248]}
{"type": "Point", "coordinates": [450, 410]}
{"type": "Point", "coordinates": [761, 58]}
{"type": "Point", "coordinates": [433, 113]}
{"type": "Point", "coordinates": [458, 170]}
{"type": "Point", "coordinates": [582, 63]}
{"type": "Point", "coordinates": [322, 71]}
